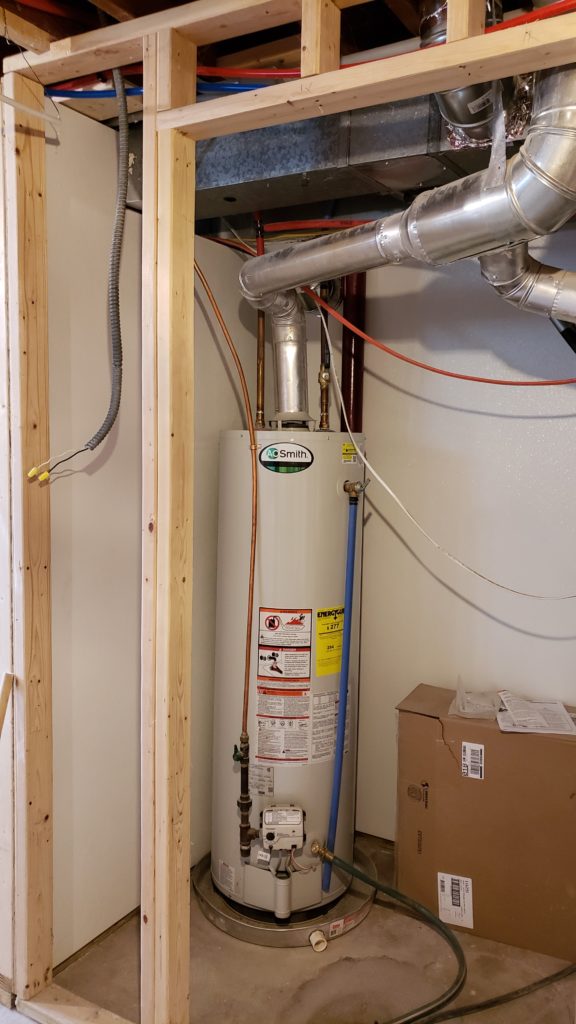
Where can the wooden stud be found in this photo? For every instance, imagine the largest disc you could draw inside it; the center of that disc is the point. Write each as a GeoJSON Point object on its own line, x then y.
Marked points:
{"type": "Point", "coordinates": [465, 18]}
{"type": "Point", "coordinates": [149, 521]}
{"type": "Point", "coordinates": [168, 403]}
{"type": "Point", "coordinates": [5, 694]}
{"type": "Point", "coordinates": [320, 37]}
{"type": "Point", "coordinates": [58, 1006]}
{"type": "Point", "coordinates": [543, 44]}
{"type": "Point", "coordinates": [6, 647]}
{"type": "Point", "coordinates": [28, 353]}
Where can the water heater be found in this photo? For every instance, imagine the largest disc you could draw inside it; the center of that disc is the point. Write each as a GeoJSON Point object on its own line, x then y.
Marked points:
{"type": "Point", "coordinates": [296, 660]}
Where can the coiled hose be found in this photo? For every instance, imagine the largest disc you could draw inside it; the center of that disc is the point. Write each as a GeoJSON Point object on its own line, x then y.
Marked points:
{"type": "Point", "coordinates": [114, 267]}
{"type": "Point", "coordinates": [425, 915]}
{"type": "Point", "coordinates": [420, 1013]}
{"type": "Point", "coordinates": [434, 1012]}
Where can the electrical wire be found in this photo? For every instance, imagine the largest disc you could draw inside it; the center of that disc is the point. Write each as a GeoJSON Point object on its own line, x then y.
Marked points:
{"type": "Point", "coordinates": [254, 463]}
{"type": "Point", "coordinates": [113, 295]}
{"type": "Point", "coordinates": [114, 266]}
{"type": "Point", "coordinates": [300, 867]}
{"type": "Point", "coordinates": [392, 494]}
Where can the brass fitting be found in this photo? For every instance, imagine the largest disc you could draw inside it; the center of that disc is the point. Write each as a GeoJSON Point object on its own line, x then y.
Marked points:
{"type": "Point", "coordinates": [317, 850]}
{"type": "Point", "coordinates": [355, 487]}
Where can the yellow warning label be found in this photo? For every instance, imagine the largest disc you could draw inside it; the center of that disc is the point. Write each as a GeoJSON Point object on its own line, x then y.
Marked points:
{"type": "Point", "coordinates": [329, 633]}
{"type": "Point", "coordinates": [348, 453]}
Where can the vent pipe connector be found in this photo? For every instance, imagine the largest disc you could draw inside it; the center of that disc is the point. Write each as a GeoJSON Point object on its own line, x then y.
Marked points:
{"type": "Point", "coordinates": [472, 109]}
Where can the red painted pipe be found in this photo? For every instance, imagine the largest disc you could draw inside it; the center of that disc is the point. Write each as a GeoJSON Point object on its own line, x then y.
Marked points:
{"type": "Point", "coordinates": [60, 10]}
{"type": "Point", "coordinates": [352, 374]}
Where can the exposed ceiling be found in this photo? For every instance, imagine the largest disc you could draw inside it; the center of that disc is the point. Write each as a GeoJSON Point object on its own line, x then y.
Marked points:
{"type": "Point", "coordinates": [34, 23]}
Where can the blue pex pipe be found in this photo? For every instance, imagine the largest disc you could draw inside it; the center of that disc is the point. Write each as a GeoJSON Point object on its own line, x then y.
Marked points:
{"type": "Point", "coordinates": [109, 94]}
{"type": "Point", "coordinates": [343, 690]}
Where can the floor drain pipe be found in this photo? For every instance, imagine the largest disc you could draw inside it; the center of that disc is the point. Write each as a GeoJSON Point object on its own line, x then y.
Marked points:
{"type": "Point", "coordinates": [353, 490]}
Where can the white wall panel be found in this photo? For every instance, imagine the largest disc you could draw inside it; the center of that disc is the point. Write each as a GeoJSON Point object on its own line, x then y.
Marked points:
{"type": "Point", "coordinates": [95, 545]}
{"type": "Point", "coordinates": [490, 473]}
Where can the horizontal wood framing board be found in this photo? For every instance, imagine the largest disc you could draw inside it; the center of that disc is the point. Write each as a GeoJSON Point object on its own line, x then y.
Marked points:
{"type": "Point", "coordinates": [525, 48]}
{"type": "Point", "coordinates": [56, 1005]}
{"type": "Point", "coordinates": [204, 21]}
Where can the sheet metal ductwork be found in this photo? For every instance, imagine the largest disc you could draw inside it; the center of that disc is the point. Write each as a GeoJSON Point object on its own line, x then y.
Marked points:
{"type": "Point", "coordinates": [469, 217]}
{"type": "Point", "coordinates": [472, 109]}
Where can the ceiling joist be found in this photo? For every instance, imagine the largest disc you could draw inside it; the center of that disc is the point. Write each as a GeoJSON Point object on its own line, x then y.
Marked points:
{"type": "Point", "coordinates": [24, 32]}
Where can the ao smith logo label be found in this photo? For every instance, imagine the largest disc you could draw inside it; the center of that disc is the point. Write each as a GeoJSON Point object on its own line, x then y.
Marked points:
{"type": "Point", "coordinates": [286, 458]}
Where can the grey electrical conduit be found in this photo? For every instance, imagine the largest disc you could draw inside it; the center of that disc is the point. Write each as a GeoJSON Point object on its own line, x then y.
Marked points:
{"type": "Point", "coordinates": [461, 219]}
{"type": "Point", "coordinates": [114, 267]}
{"type": "Point", "coordinates": [114, 325]}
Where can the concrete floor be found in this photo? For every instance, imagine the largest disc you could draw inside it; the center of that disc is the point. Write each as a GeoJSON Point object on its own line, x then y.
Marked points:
{"type": "Point", "coordinates": [387, 965]}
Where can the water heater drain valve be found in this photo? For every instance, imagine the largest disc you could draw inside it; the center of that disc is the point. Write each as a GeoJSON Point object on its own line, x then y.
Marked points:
{"type": "Point", "coordinates": [283, 827]}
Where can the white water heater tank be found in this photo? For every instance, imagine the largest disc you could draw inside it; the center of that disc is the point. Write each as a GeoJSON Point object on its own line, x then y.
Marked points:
{"type": "Point", "coordinates": [296, 659]}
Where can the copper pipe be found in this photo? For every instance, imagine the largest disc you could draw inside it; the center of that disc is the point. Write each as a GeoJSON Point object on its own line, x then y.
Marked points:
{"type": "Point", "coordinates": [261, 338]}
{"type": "Point", "coordinates": [324, 376]}
{"type": "Point", "coordinates": [353, 351]}
{"type": "Point", "coordinates": [242, 752]}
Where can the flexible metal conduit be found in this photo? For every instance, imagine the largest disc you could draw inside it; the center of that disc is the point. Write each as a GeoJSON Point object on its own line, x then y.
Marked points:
{"type": "Point", "coordinates": [461, 219]}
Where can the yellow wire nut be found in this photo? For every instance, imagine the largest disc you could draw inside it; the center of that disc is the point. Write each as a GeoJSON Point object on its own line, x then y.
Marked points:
{"type": "Point", "coordinates": [44, 476]}
{"type": "Point", "coordinates": [32, 472]}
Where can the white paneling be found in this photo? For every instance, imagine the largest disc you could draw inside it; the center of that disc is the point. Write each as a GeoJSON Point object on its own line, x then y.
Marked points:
{"type": "Point", "coordinates": [490, 473]}
{"type": "Point", "coordinates": [95, 545]}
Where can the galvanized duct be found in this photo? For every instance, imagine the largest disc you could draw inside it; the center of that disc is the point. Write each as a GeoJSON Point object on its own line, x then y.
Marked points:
{"type": "Point", "coordinates": [461, 219]}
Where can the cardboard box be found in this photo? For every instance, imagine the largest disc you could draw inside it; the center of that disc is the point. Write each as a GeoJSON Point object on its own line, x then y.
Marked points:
{"type": "Point", "coordinates": [487, 825]}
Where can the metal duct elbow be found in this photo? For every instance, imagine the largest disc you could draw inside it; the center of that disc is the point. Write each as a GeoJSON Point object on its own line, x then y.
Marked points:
{"type": "Point", "coordinates": [471, 109]}
{"type": "Point", "coordinates": [530, 285]}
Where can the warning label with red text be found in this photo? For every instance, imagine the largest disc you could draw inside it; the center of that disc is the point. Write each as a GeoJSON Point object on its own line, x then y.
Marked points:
{"type": "Point", "coordinates": [283, 718]}
{"type": "Point", "coordinates": [285, 627]}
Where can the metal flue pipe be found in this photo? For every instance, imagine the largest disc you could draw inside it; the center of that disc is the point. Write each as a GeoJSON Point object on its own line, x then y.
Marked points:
{"type": "Point", "coordinates": [461, 219]}
{"type": "Point", "coordinates": [530, 285]}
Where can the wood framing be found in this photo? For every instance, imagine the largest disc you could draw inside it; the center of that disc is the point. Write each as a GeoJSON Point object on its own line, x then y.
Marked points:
{"type": "Point", "coordinates": [542, 44]}
{"type": "Point", "coordinates": [167, 42]}
{"type": "Point", "coordinates": [203, 21]}
{"type": "Point", "coordinates": [320, 37]}
{"type": "Point", "coordinates": [5, 694]}
{"type": "Point", "coordinates": [28, 357]}
{"type": "Point", "coordinates": [58, 1006]}
{"type": "Point", "coordinates": [465, 18]}
{"type": "Point", "coordinates": [24, 33]}
{"type": "Point", "coordinates": [168, 464]}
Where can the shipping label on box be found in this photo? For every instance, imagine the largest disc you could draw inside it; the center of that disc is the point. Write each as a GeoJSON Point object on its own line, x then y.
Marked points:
{"type": "Point", "coordinates": [455, 904]}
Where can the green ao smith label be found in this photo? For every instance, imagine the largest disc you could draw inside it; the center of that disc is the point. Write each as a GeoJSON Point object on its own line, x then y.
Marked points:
{"type": "Point", "coordinates": [286, 458]}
